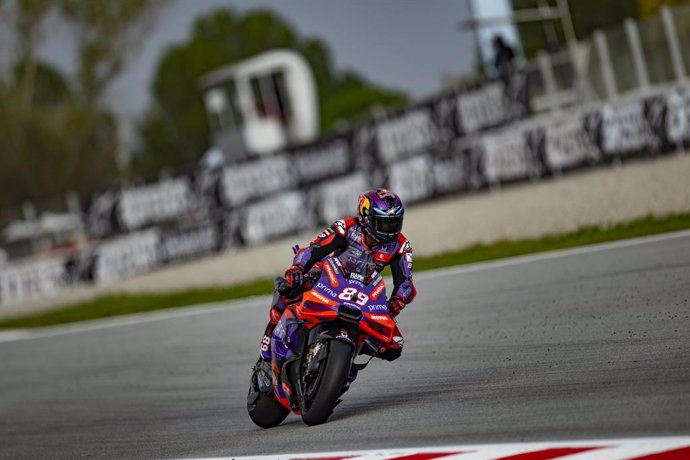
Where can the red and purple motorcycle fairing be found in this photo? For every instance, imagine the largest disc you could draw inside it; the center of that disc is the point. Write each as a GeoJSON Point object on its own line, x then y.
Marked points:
{"type": "Point", "coordinates": [314, 344]}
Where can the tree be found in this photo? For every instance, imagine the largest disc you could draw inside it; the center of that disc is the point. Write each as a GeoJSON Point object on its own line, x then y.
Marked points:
{"type": "Point", "coordinates": [107, 31]}
{"type": "Point", "coordinates": [175, 130]}
{"type": "Point", "coordinates": [55, 134]}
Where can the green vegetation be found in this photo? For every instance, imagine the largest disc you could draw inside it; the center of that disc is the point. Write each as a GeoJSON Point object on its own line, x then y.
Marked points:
{"type": "Point", "coordinates": [122, 304]}
{"type": "Point", "coordinates": [175, 129]}
{"type": "Point", "coordinates": [581, 237]}
{"type": "Point", "coordinates": [125, 304]}
{"type": "Point", "coordinates": [56, 132]}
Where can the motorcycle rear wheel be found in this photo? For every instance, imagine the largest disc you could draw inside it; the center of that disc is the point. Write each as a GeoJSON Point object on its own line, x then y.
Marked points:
{"type": "Point", "coordinates": [265, 411]}
{"type": "Point", "coordinates": [337, 367]}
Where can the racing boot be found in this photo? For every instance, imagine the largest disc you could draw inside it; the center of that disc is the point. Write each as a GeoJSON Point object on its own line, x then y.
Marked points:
{"type": "Point", "coordinates": [262, 381]}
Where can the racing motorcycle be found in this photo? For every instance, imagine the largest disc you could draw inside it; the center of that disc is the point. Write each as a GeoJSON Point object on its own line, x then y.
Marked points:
{"type": "Point", "coordinates": [314, 345]}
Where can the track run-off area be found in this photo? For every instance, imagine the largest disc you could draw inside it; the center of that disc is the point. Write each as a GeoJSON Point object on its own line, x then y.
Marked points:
{"type": "Point", "coordinates": [589, 344]}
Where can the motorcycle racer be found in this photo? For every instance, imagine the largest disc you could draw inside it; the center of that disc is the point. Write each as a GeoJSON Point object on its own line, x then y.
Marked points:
{"type": "Point", "coordinates": [377, 230]}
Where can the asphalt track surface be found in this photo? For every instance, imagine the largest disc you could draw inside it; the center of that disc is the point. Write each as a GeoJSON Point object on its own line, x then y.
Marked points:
{"type": "Point", "coordinates": [582, 345]}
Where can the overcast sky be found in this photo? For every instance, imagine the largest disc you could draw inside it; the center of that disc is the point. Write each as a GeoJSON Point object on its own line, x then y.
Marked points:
{"type": "Point", "coordinates": [405, 44]}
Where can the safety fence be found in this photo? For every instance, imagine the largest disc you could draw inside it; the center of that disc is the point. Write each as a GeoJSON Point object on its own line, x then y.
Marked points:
{"type": "Point", "coordinates": [460, 142]}
{"type": "Point", "coordinates": [626, 95]}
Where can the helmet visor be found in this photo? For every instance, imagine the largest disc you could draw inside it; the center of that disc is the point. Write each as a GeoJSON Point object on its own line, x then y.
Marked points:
{"type": "Point", "coordinates": [387, 225]}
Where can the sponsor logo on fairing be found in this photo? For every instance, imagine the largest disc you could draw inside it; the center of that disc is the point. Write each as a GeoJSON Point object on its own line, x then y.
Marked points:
{"type": "Point", "coordinates": [379, 317]}
{"type": "Point", "coordinates": [355, 282]}
{"type": "Point", "coordinates": [377, 307]}
{"type": "Point", "coordinates": [357, 277]}
{"type": "Point", "coordinates": [331, 274]}
{"type": "Point", "coordinates": [326, 289]}
{"type": "Point", "coordinates": [320, 297]}
{"type": "Point", "coordinates": [377, 290]}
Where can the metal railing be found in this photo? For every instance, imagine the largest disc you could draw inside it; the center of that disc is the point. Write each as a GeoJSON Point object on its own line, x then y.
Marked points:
{"type": "Point", "coordinates": [631, 56]}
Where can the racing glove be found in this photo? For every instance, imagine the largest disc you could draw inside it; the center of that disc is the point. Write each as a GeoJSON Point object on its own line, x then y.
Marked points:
{"type": "Point", "coordinates": [395, 306]}
{"type": "Point", "coordinates": [294, 276]}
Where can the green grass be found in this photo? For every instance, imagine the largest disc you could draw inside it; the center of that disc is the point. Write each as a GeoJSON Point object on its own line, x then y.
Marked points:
{"type": "Point", "coordinates": [122, 304]}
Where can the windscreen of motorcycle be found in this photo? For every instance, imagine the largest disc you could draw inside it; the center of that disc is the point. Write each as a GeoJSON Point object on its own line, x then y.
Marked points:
{"type": "Point", "coordinates": [357, 264]}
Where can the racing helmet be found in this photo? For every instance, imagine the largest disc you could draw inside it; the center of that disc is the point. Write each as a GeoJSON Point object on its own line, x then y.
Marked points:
{"type": "Point", "coordinates": [380, 213]}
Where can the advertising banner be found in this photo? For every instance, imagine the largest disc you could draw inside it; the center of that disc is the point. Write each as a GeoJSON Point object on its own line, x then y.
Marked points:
{"type": "Point", "coordinates": [126, 256]}
{"type": "Point", "coordinates": [254, 180]}
{"type": "Point", "coordinates": [276, 216]}
{"type": "Point", "coordinates": [32, 279]}
{"type": "Point", "coordinates": [337, 199]}
{"type": "Point", "coordinates": [567, 145]}
{"type": "Point", "coordinates": [323, 160]}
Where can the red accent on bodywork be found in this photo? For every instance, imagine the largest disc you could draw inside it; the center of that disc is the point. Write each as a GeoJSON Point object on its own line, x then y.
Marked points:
{"type": "Point", "coordinates": [388, 327]}
{"type": "Point", "coordinates": [548, 454]}
{"type": "Point", "coordinates": [331, 275]}
{"type": "Point", "coordinates": [377, 290]}
{"type": "Point", "coordinates": [682, 453]}
{"type": "Point", "coordinates": [283, 401]}
{"type": "Point", "coordinates": [304, 312]}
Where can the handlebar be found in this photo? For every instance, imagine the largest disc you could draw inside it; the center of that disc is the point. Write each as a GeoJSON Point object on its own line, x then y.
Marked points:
{"type": "Point", "coordinates": [287, 290]}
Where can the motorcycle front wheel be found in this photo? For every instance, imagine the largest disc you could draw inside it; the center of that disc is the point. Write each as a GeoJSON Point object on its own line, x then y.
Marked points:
{"type": "Point", "coordinates": [329, 385]}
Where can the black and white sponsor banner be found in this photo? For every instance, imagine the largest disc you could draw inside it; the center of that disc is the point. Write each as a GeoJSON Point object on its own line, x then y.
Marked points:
{"type": "Point", "coordinates": [412, 179]}
{"type": "Point", "coordinates": [492, 104]}
{"type": "Point", "coordinates": [567, 145]}
{"type": "Point", "coordinates": [321, 161]}
{"type": "Point", "coordinates": [126, 256]}
{"type": "Point", "coordinates": [451, 170]}
{"type": "Point", "coordinates": [242, 183]}
{"type": "Point", "coordinates": [677, 122]}
{"type": "Point", "coordinates": [157, 202]}
{"type": "Point", "coordinates": [623, 129]}
{"type": "Point", "coordinates": [420, 153]}
{"type": "Point", "coordinates": [407, 133]}
{"type": "Point", "coordinates": [188, 243]}
{"type": "Point", "coordinates": [101, 217]}
{"type": "Point", "coordinates": [31, 279]}
{"type": "Point", "coordinates": [276, 216]}
{"type": "Point", "coordinates": [338, 198]}
{"type": "Point", "coordinates": [508, 157]}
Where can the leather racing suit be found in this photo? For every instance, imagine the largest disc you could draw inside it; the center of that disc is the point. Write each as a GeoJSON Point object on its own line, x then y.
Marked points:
{"type": "Point", "coordinates": [337, 238]}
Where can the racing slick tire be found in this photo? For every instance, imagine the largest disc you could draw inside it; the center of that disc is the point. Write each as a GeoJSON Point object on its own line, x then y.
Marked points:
{"type": "Point", "coordinates": [263, 408]}
{"type": "Point", "coordinates": [330, 387]}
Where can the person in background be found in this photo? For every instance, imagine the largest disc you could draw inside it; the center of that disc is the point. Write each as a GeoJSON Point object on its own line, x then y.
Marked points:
{"type": "Point", "coordinates": [504, 59]}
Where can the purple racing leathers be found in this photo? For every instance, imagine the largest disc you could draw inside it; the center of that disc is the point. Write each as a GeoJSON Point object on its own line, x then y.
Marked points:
{"type": "Point", "coordinates": [343, 234]}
